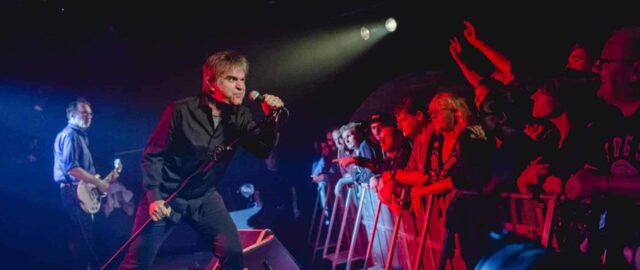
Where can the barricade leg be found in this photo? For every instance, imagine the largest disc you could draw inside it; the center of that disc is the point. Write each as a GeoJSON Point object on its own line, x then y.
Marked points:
{"type": "Point", "coordinates": [373, 234]}
{"type": "Point", "coordinates": [321, 222]}
{"type": "Point", "coordinates": [396, 229]}
{"type": "Point", "coordinates": [325, 250]}
{"type": "Point", "coordinates": [356, 226]}
{"type": "Point", "coordinates": [423, 235]}
{"type": "Point", "coordinates": [313, 216]}
{"type": "Point", "coordinates": [343, 225]}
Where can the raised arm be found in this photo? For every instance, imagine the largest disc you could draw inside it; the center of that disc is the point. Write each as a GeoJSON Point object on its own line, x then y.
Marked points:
{"type": "Point", "coordinates": [500, 61]}
{"type": "Point", "coordinates": [472, 76]}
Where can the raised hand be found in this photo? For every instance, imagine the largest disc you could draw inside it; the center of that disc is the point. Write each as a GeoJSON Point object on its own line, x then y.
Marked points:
{"type": "Point", "coordinates": [470, 32]}
{"type": "Point", "coordinates": [454, 47]}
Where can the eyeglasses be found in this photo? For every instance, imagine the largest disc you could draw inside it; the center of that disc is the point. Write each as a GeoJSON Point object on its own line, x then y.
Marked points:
{"type": "Point", "coordinates": [437, 111]}
{"type": "Point", "coordinates": [90, 114]}
{"type": "Point", "coordinates": [601, 61]}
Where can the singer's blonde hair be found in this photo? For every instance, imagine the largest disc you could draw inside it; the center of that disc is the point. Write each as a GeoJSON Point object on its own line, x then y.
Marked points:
{"type": "Point", "coordinates": [221, 62]}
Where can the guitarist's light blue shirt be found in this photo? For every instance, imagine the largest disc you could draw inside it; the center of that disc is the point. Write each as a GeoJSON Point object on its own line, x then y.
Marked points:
{"type": "Point", "coordinates": [71, 149]}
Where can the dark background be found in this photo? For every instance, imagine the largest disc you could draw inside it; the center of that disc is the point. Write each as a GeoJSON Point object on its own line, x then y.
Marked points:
{"type": "Point", "coordinates": [131, 60]}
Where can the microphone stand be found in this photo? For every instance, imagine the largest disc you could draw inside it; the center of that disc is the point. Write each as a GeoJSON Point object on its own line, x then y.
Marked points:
{"type": "Point", "coordinates": [211, 160]}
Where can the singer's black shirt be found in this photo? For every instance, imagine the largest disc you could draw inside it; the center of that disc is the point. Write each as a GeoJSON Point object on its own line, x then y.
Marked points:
{"type": "Point", "coordinates": [185, 138]}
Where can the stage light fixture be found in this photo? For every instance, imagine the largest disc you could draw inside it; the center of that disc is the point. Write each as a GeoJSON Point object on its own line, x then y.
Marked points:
{"type": "Point", "coordinates": [365, 33]}
{"type": "Point", "coordinates": [391, 24]}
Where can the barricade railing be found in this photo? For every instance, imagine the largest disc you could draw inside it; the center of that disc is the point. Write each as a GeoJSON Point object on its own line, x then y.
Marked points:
{"type": "Point", "coordinates": [410, 242]}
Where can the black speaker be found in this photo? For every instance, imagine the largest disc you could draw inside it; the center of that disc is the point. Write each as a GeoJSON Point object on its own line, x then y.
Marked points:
{"type": "Point", "coordinates": [262, 250]}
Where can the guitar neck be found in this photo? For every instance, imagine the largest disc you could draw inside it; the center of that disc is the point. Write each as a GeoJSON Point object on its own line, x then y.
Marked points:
{"type": "Point", "coordinates": [117, 164]}
{"type": "Point", "coordinates": [110, 177]}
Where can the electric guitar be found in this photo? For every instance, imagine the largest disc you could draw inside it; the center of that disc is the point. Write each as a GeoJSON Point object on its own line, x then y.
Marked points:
{"type": "Point", "coordinates": [90, 196]}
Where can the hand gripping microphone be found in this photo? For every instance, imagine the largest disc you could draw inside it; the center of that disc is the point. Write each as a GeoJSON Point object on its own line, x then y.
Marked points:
{"type": "Point", "coordinates": [255, 96]}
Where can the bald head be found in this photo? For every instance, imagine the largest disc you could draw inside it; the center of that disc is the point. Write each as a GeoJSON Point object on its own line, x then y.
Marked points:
{"type": "Point", "coordinates": [623, 44]}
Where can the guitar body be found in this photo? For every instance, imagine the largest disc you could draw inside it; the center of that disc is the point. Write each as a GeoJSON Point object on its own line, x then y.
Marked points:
{"type": "Point", "coordinates": [90, 196]}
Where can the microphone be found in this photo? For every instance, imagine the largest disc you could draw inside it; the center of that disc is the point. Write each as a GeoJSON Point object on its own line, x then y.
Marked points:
{"type": "Point", "coordinates": [256, 96]}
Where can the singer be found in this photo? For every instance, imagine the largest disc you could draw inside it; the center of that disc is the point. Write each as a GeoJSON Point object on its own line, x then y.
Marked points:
{"type": "Point", "coordinates": [188, 132]}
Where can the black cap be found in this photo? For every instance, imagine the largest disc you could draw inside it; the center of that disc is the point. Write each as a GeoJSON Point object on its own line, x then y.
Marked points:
{"type": "Point", "coordinates": [382, 117]}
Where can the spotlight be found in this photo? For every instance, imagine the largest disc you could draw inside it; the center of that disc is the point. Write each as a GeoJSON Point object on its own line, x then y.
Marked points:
{"type": "Point", "coordinates": [391, 24]}
{"type": "Point", "coordinates": [365, 33]}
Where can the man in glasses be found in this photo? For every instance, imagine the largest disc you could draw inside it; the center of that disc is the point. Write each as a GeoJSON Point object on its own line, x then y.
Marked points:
{"type": "Point", "coordinates": [615, 172]}
{"type": "Point", "coordinates": [72, 164]}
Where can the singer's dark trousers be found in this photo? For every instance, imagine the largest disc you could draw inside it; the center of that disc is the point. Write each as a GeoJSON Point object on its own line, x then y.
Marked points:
{"type": "Point", "coordinates": [209, 219]}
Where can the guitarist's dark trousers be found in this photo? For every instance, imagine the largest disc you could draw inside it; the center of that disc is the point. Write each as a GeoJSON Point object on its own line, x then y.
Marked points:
{"type": "Point", "coordinates": [207, 216]}
{"type": "Point", "coordinates": [79, 229]}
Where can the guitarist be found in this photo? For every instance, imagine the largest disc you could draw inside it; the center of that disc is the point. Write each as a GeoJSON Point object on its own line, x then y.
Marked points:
{"type": "Point", "coordinates": [73, 163]}
{"type": "Point", "coordinates": [189, 132]}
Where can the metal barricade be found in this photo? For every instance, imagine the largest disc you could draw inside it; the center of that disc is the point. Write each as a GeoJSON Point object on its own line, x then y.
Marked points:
{"type": "Point", "coordinates": [406, 247]}
{"type": "Point", "coordinates": [322, 228]}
